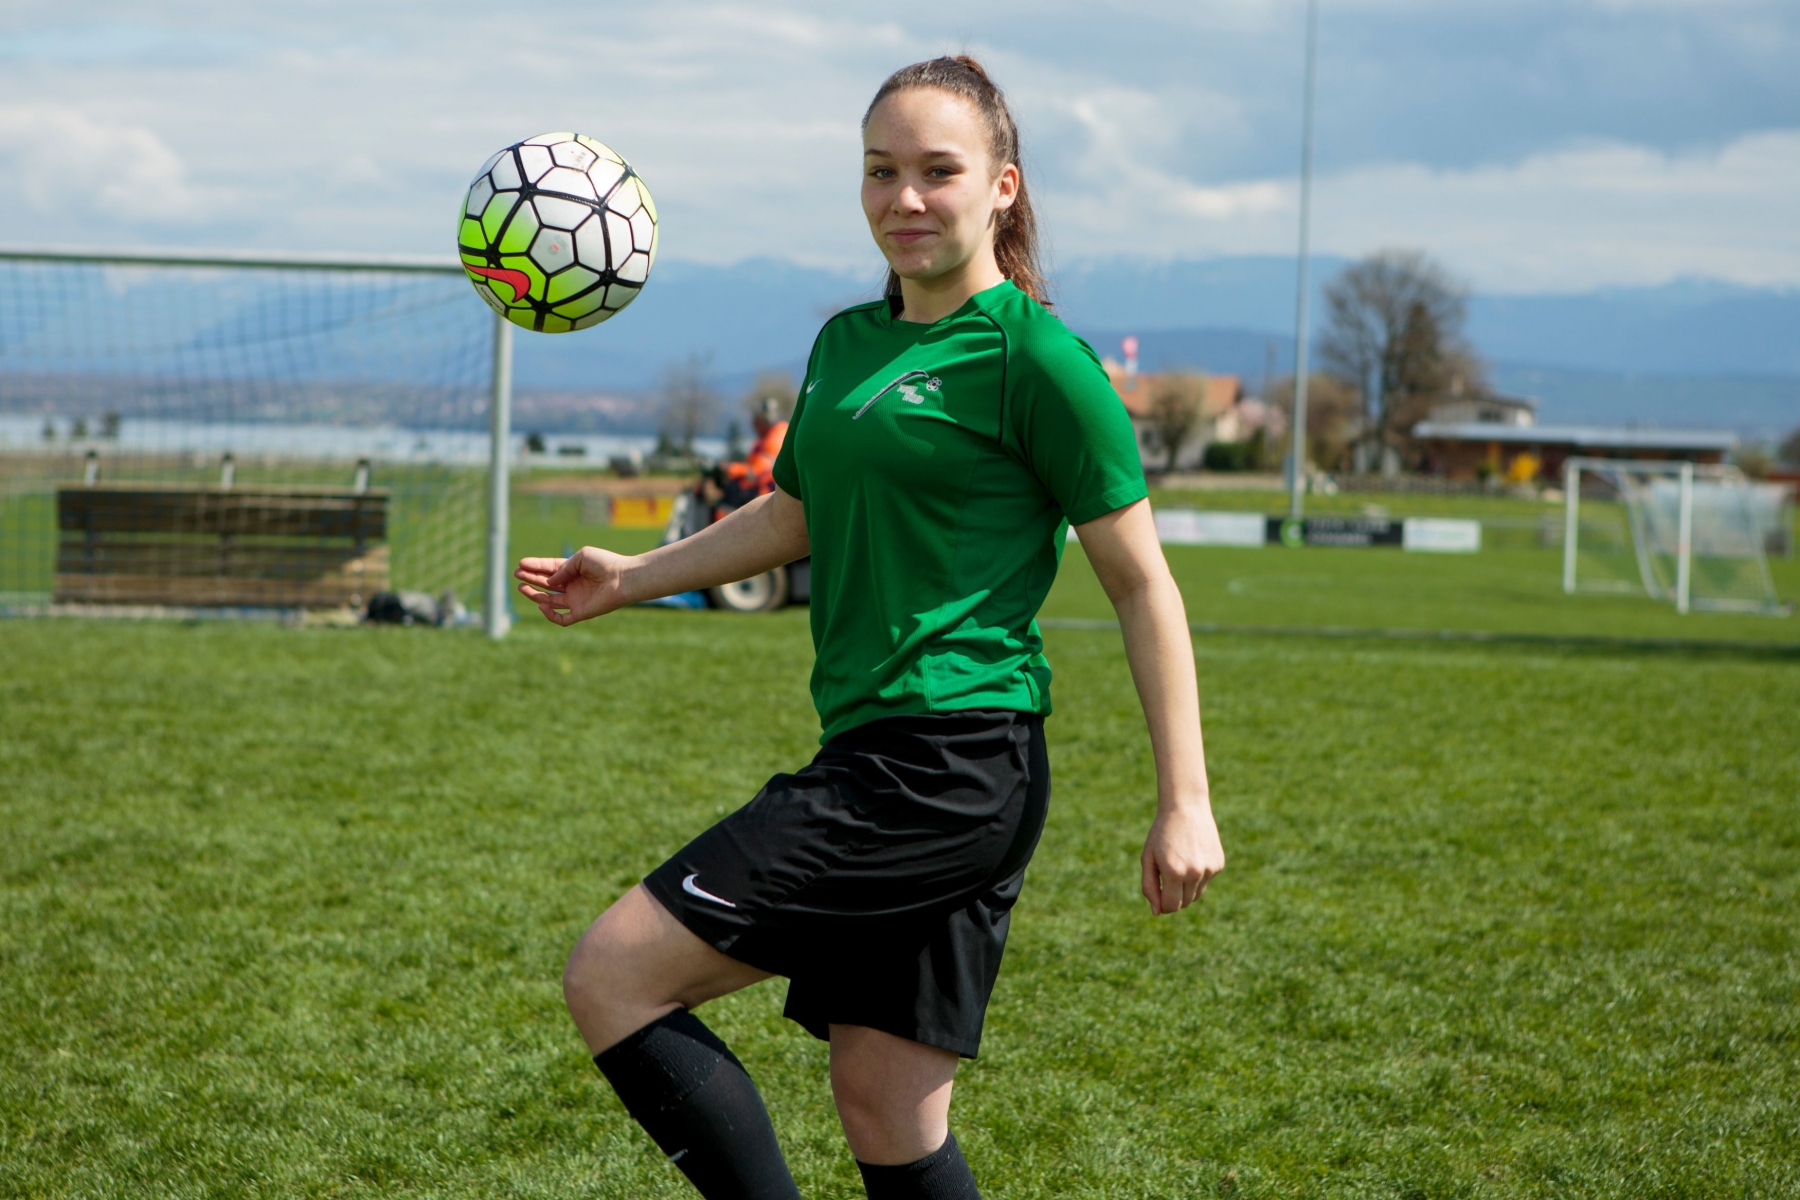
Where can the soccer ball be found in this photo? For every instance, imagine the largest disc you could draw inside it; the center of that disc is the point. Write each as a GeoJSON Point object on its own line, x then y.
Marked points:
{"type": "Point", "coordinates": [558, 233]}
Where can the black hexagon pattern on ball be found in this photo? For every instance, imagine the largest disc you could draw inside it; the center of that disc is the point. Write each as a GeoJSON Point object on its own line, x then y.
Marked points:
{"type": "Point", "coordinates": [526, 190]}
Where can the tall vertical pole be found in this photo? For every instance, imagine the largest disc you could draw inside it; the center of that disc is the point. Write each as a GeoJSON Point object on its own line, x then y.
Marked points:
{"type": "Point", "coordinates": [1571, 522]}
{"type": "Point", "coordinates": [1297, 455]}
{"type": "Point", "coordinates": [496, 612]}
{"type": "Point", "coordinates": [1684, 540]}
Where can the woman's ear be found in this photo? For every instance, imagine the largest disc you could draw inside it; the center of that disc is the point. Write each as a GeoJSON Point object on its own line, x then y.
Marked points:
{"type": "Point", "coordinates": [1006, 187]}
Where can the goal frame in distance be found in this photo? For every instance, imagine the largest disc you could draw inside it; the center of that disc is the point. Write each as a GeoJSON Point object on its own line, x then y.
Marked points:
{"type": "Point", "coordinates": [1685, 473]}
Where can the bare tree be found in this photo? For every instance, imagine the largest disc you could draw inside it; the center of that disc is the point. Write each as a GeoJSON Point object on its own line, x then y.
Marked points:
{"type": "Point", "coordinates": [1333, 417]}
{"type": "Point", "coordinates": [689, 403]}
{"type": "Point", "coordinates": [1174, 412]}
{"type": "Point", "coordinates": [778, 385]}
{"type": "Point", "coordinates": [1394, 333]}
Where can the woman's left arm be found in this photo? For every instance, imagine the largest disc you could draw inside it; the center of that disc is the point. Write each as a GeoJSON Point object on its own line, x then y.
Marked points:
{"type": "Point", "coordinates": [1182, 851]}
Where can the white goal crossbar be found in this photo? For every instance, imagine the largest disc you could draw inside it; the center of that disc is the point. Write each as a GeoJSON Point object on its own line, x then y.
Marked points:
{"type": "Point", "coordinates": [1663, 501]}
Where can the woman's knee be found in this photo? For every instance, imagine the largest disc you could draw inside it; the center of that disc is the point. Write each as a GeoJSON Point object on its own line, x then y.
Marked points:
{"type": "Point", "coordinates": [886, 1127]}
{"type": "Point", "coordinates": [637, 963]}
{"type": "Point", "coordinates": [614, 963]}
{"type": "Point", "coordinates": [591, 966]}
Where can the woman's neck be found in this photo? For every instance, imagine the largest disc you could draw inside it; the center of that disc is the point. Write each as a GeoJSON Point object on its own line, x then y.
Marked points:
{"type": "Point", "coordinates": [928, 301]}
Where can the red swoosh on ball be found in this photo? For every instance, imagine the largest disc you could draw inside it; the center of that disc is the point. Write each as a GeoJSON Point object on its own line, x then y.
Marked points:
{"type": "Point", "coordinates": [518, 281]}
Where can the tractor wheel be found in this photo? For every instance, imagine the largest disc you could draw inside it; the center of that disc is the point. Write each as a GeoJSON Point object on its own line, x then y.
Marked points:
{"type": "Point", "coordinates": [760, 593]}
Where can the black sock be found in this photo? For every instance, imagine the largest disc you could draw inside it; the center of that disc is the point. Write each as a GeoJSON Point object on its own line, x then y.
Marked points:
{"type": "Point", "coordinates": [940, 1175]}
{"type": "Point", "coordinates": [692, 1095]}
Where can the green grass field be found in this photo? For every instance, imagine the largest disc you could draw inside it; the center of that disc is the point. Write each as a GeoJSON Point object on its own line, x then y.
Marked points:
{"type": "Point", "coordinates": [282, 911]}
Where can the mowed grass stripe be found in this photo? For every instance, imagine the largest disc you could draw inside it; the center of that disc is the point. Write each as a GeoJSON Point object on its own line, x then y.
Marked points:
{"type": "Point", "coordinates": [282, 912]}
{"type": "Point", "coordinates": [1586, 640]}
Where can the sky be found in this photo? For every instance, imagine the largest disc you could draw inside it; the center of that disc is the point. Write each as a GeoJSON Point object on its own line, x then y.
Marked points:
{"type": "Point", "coordinates": [1532, 145]}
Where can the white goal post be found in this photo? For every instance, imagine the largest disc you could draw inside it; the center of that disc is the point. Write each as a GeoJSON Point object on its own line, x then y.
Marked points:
{"type": "Point", "coordinates": [1691, 534]}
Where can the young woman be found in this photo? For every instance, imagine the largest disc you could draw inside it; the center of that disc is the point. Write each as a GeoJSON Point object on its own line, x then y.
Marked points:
{"type": "Point", "coordinates": [945, 438]}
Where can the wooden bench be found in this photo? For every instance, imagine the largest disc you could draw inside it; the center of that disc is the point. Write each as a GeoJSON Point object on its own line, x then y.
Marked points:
{"type": "Point", "coordinates": [220, 546]}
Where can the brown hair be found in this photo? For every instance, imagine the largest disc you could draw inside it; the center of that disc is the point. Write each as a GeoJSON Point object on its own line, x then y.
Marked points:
{"type": "Point", "coordinates": [1015, 239]}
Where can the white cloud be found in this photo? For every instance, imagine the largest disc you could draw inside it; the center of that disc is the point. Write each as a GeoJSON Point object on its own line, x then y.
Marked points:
{"type": "Point", "coordinates": [62, 163]}
{"type": "Point", "coordinates": [1623, 214]}
{"type": "Point", "coordinates": [339, 126]}
{"type": "Point", "coordinates": [1608, 213]}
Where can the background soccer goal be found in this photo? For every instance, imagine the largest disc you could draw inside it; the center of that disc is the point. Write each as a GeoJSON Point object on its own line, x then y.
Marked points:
{"type": "Point", "coordinates": [241, 434]}
{"type": "Point", "coordinates": [1694, 535]}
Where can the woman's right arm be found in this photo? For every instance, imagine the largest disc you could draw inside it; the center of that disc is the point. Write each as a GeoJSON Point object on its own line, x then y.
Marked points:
{"type": "Point", "coordinates": [766, 533]}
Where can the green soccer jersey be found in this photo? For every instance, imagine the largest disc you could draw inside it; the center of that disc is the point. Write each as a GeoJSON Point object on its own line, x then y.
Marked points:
{"type": "Point", "coordinates": [939, 466]}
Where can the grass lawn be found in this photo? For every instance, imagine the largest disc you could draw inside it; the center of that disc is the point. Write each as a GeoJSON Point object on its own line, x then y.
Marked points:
{"type": "Point", "coordinates": [1503, 591]}
{"type": "Point", "coordinates": [282, 911]}
{"type": "Point", "coordinates": [1514, 589]}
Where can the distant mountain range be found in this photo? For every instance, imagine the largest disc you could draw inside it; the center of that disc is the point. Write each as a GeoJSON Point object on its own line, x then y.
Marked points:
{"type": "Point", "coordinates": [1692, 352]}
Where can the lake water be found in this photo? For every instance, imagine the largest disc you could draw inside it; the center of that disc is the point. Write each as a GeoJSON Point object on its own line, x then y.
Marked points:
{"type": "Point", "coordinates": [379, 443]}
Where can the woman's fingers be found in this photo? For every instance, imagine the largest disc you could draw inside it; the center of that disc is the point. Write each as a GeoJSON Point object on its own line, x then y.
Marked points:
{"type": "Point", "coordinates": [568, 590]}
{"type": "Point", "coordinates": [548, 603]}
{"type": "Point", "coordinates": [1172, 887]}
{"type": "Point", "coordinates": [1168, 888]}
{"type": "Point", "coordinates": [539, 566]}
{"type": "Point", "coordinates": [1151, 886]}
{"type": "Point", "coordinates": [548, 608]}
{"type": "Point", "coordinates": [1181, 855]}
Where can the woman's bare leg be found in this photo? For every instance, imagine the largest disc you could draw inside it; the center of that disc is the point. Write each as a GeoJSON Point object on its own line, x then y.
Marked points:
{"type": "Point", "coordinates": [637, 964]}
{"type": "Point", "coordinates": [893, 1095]}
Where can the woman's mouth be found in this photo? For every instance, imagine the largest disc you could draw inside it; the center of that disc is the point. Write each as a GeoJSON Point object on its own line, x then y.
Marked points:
{"type": "Point", "coordinates": [907, 237]}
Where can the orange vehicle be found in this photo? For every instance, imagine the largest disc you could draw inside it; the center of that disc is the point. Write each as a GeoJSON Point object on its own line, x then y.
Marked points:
{"type": "Point", "coordinates": [730, 486]}
{"type": "Point", "coordinates": [741, 482]}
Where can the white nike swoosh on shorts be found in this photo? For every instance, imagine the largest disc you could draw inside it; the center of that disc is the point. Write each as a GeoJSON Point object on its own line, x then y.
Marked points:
{"type": "Point", "coordinates": [688, 886]}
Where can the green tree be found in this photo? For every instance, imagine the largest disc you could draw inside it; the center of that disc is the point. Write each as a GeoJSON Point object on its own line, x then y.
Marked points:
{"type": "Point", "coordinates": [1790, 448]}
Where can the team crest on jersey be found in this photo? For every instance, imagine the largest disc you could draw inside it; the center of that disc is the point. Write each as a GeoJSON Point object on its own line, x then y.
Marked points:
{"type": "Point", "coordinates": [907, 385]}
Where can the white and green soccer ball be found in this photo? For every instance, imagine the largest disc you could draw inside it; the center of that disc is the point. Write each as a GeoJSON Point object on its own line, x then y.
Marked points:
{"type": "Point", "coordinates": [558, 233]}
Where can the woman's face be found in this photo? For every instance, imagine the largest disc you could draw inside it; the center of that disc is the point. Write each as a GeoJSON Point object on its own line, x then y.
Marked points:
{"type": "Point", "coordinates": [930, 190]}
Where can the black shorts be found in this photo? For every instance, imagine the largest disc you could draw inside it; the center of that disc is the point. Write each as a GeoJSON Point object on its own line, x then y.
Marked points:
{"type": "Point", "coordinates": [880, 878]}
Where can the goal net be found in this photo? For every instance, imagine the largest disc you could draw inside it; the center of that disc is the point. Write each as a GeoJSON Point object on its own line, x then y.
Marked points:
{"type": "Point", "coordinates": [1696, 536]}
{"type": "Point", "coordinates": [239, 435]}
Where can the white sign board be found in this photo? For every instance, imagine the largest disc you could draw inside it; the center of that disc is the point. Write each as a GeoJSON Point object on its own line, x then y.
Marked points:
{"type": "Point", "coordinates": [1186, 527]}
{"type": "Point", "coordinates": [1440, 535]}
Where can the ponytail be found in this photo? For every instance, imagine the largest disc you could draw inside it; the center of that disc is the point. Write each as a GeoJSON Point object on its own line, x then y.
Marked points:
{"type": "Point", "coordinates": [1015, 238]}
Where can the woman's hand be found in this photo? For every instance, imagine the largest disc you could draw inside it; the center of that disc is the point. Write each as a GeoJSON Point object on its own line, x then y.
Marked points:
{"type": "Point", "coordinates": [1181, 854]}
{"type": "Point", "coordinates": [567, 590]}
{"type": "Point", "coordinates": [767, 533]}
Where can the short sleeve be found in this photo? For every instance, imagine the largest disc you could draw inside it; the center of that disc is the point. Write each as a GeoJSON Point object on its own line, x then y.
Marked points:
{"type": "Point", "coordinates": [1073, 428]}
{"type": "Point", "coordinates": [787, 475]}
{"type": "Point", "coordinates": [786, 471]}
